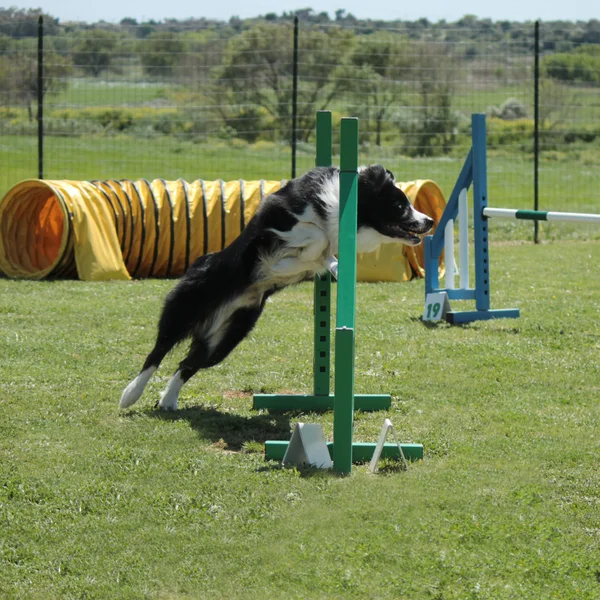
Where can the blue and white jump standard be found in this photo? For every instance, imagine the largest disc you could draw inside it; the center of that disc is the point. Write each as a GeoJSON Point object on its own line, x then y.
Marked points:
{"type": "Point", "coordinates": [474, 172]}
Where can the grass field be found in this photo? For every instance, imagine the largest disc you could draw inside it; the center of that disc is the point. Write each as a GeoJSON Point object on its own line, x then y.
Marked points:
{"type": "Point", "coordinates": [87, 91]}
{"type": "Point", "coordinates": [98, 503]}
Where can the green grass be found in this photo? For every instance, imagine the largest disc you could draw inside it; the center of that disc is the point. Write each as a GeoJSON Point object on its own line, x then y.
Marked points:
{"type": "Point", "coordinates": [93, 92]}
{"type": "Point", "coordinates": [98, 503]}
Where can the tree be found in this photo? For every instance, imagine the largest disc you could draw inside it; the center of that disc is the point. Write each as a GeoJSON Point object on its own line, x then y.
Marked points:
{"type": "Point", "coordinates": [433, 77]}
{"type": "Point", "coordinates": [161, 52]}
{"type": "Point", "coordinates": [204, 52]}
{"type": "Point", "coordinates": [95, 52]}
{"type": "Point", "coordinates": [19, 77]}
{"type": "Point", "coordinates": [4, 43]}
{"type": "Point", "coordinates": [580, 66]}
{"type": "Point", "coordinates": [373, 75]}
{"type": "Point", "coordinates": [591, 33]}
{"type": "Point", "coordinates": [257, 72]}
{"type": "Point", "coordinates": [21, 23]}
{"type": "Point", "coordinates": [557, 103]}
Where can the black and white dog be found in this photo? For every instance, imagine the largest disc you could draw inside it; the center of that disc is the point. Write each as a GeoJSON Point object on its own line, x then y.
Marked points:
{"type": "Point", "coordinates": [292, 236]}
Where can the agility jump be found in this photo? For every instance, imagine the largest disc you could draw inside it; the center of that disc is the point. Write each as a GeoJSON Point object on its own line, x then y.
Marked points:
{"type": "Point", "coordinates": [344, 401]}
{"type": "Point", "coordinates": [474, 172]}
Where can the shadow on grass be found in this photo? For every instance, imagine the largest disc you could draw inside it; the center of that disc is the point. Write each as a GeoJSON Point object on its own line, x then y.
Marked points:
{"type": "Point", "coordinates": [230, 429]}
{"type": "Point", "coordinates": [304, 471]}
{"type": "Point", "coordinates": [232, 432]}
{"type": "Point", "coordinates": [427, 324]}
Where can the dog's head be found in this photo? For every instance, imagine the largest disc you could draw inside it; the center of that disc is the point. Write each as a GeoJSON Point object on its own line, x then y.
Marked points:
{"type": "Point", "coordinates": [385, 214]}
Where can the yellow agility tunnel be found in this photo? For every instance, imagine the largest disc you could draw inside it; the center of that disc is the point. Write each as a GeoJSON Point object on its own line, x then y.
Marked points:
{"type": "Point", "coordinates": [101, 230]}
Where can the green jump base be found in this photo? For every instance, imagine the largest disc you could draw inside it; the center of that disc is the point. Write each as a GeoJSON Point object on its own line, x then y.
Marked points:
{"type": "Point", "coordinates": [311, 402]}
{"type": "Point", "coordinates": [361, 451]}
{"type": "Point", "coordinates": [468, 316]}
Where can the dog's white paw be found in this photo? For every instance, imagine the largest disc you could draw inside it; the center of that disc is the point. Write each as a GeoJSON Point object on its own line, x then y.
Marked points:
{"type": "Point", "coordinates": [167, 403]}
{"type": "Point", "coordinates": [131, 394]}
{"type": "Point", "coordinates": [170, 396]}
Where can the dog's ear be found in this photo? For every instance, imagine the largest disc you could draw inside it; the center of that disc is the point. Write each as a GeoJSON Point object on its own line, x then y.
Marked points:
{"type": "Point", "coordinates": [386, 177]}
{"type": "Point", "coordinates": [377, 176]}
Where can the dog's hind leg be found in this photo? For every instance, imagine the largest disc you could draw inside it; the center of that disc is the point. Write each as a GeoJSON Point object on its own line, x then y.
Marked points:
{"type": "Point", "coordinates": [131, 394]}
{"type": "Point", "coordinates": [134, 390]}
{"type": "Point", "coordinates": [208, 351]}
{"type": "Point", "coordinates": [167, 338]}
{"type": "Point", "coordinates": [195, 359]}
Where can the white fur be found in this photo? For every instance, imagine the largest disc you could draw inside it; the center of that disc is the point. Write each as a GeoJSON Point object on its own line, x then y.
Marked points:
{"type": "Point", "coordinates": [421, 217]}
{"type": "Point", "coordinates": [170, 396]}
{"type": "Point", "coordinates": [330, 195]}
{"type": "Point", "coordinates": [308, 245]}
{"type": "Point", "coordinates": [369, 239]}
{"type": "Point", "coordinates": [309, 238]}
{"type": "Point", "coordinates": [134, 390]}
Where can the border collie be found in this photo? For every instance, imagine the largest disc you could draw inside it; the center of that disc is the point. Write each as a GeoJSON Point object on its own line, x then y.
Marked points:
{"type": "Point", "coordinates": [292, 236]}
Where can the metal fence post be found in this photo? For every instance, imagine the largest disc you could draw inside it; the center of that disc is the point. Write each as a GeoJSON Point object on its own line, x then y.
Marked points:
{"type": "Point", "coordinates": [40, 97]}
{"type": "Point", "coordinates": [295, 98]}
{"type": "Point", "coordinates": [536, 131]}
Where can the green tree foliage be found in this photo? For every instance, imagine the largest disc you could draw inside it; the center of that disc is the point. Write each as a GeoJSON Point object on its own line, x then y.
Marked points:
{"type": "Point", "coordinates": [95, 52]}
{"type": "Point", "coordinates": [21, 23]}
{"type": "Point", "coordinates": [161, 52]}
{"type": "Point", "coordinates": [432, 131]}
{"type": "Point", "coordinates": [19, 77]}
{"type": "Point", "coordinates": [580, 66]}
{"type": "Point", "coordinates": [234, 78]}
{"type": "Point", "coordinates": [321, 51]}
{"type": "Point", "coordinates": [591, 33]}
{"type": "Point", "coordinates": [4, 43]}
{"type": "Point", "coordinates": [257, 73]}
{"type": "Point", "coordinates": [203, 53]}
{"type": "Point", "coordinates": [372, 76]}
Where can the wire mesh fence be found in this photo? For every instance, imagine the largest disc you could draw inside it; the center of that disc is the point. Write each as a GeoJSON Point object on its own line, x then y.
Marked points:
{"type": "Point", "coordinates": [233, 101]}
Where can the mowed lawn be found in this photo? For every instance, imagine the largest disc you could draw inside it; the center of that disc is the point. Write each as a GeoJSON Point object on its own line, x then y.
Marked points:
{"type": "Point", "coordinates": [100, 503]}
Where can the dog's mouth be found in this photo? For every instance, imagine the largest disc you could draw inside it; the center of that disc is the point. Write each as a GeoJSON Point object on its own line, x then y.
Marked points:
{"type": "Point", "coordinates": [411, 237]}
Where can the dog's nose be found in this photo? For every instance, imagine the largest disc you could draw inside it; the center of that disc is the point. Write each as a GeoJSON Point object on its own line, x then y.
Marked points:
{"type": "Point", "coordinates": [429, 222]}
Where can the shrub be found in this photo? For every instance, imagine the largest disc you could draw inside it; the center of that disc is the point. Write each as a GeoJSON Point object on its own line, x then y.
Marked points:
{"type": "Point", "coordinates": [248, 123]}
{"type": "Point", "coordinates": [580, 66]}
{"type": "Point", "coordinates": [511, 109]}
{"type": "Point", "coordinates": [502, 132]}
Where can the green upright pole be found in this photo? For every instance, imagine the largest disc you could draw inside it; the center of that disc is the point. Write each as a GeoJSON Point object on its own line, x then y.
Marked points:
{"type": "Point", "coordinates": [323, 155]}
{"type": "Point", "coordinates": [321, 398]}
{"type": "Point", "coordinates": [322, 287]}
{"type": "Point", "coordinates": [343, 401]}
{"type": "Point", "coordinates": [343, 406]}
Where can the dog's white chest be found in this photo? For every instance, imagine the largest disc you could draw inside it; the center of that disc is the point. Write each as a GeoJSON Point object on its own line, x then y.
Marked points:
{"type": "Point", "coordinates": [305, 249]}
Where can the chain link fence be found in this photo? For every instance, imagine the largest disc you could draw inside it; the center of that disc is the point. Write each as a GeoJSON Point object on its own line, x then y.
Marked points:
{"type": "Point", "coordinates": [238, 101]}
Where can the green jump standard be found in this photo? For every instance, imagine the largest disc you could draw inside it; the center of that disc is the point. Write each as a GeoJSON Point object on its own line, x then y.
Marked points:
{"type": "Point", "coordinates": [312, 402]}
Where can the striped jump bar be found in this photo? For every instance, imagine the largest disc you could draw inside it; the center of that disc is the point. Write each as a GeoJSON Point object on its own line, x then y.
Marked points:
{"type": "Point", "coordinates": [538, 215]}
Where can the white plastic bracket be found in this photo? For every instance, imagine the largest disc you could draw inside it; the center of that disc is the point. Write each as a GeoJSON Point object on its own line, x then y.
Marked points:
{"type": "Point", "coordinates": [308, 447]}
{"type": "Point", "coordinates": [387, 426]}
